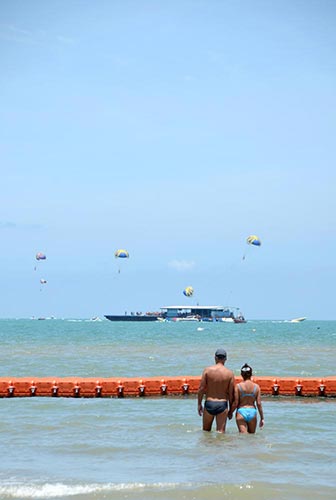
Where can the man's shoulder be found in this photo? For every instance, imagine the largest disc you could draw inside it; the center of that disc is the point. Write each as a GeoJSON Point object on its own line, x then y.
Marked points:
{"type": "Point", "coordinates": [229, 373]}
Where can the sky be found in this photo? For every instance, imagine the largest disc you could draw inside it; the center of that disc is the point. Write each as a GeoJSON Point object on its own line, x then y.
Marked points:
{"type": "Point", "coordinates": [173, 129]}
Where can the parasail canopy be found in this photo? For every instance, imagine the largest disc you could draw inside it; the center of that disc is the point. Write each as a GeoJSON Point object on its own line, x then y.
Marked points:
{"type": "Point", "coordinates": [188, 291]}
{"type": "Point", "coordinates": [121, 254]}
{"type": "Point", "coordinates": [40, 256]}
{"type": "Point", "coordinates": [253, 240]}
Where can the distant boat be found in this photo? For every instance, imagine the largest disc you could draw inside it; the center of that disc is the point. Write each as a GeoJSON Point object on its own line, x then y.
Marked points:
{"type": "Point", "coordinates": [297, 320]}
{"type": "Point", "coordinates": [187, 318]}
{"type": "Point", "coordinates": [184, 313]}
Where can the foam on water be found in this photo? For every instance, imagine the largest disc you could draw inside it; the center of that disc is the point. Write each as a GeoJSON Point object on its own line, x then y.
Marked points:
{"type": "Point", "coordinates": [162, 491]}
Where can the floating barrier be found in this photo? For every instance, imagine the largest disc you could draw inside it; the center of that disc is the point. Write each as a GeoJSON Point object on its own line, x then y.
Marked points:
{"type": "Point", "coordinates": [153, 386]}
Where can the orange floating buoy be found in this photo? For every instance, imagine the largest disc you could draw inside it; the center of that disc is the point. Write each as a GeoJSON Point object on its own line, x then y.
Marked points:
{"type": "Point", "coordinates": [185, 386]}
{"type": "Point", "coordinates": [141, 388]}
{"type": "Point", "coordinates": [33, 389]}
{"type": "Point", "coordinates": [155, 386]}
{"type": "Point", "coordinates": [76, 389]}
{"type": "Point", "coordinates": [298, 388]}
{"type": "Point", "coordinates": [10, 389]}
{"type": "Point", "coordinates": [54, 389]}
{"type": "Point", "coordinates": [98, 389]}
{"type": "Point", "coordinates": [163, 387]}
{"type": "Point", "coordinates": [120, 389]}
{"type": "Point", "coordinates": [275, 387]}
{"type": "Point", "coordinates": [321, 388]}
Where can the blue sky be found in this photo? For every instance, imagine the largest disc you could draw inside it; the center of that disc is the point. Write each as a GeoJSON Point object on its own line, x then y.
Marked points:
{"type": "Point", "coordinates": [174, 130]}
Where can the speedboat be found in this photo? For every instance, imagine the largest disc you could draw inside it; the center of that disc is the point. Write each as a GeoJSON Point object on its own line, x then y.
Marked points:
{"type": "Point", "coordinates": [187, 318]}
{"type": "Point", "coordinates": [297, 320]}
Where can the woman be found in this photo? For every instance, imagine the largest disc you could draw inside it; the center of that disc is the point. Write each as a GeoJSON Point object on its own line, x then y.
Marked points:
{"type": "Point", "coordinates": [247, 397]}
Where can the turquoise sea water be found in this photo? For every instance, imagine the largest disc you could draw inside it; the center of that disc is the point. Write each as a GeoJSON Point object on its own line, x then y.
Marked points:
{"type": "Point", "coordinates": [154, 448]}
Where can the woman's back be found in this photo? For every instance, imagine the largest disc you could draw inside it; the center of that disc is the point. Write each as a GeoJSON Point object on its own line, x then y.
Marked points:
{"type": "Point", "coordinates": [247, 391]}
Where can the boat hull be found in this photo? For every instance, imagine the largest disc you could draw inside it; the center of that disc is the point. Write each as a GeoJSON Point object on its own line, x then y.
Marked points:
{"type": "Point", "coordinates": [129, 317]}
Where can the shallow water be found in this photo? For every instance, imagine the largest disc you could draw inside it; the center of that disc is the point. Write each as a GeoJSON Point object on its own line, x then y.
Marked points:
{"type": "Point", "coordinates": [146, 448]}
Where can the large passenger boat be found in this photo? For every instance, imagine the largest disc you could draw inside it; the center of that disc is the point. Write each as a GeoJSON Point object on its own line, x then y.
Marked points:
{"type": "Point", "coordinates": [185, 313]}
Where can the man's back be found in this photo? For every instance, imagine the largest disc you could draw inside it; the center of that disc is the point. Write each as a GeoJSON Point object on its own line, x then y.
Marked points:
{"type": "Point", "coordinates": [217, 385]}
{"type": "Point", "coordinates": [218, 382]}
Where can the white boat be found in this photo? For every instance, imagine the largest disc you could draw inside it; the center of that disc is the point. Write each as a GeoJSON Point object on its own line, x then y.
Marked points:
{"type": "Point", "coordinates": [297, 320]}
{"type": "Point", "coordinates": [188, 318]}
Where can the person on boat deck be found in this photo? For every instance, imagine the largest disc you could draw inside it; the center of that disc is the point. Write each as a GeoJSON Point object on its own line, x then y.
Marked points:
{"type": "Point", "coordinates": [217, 385]}
{"type": "Point", "coordinates": [246, 398]}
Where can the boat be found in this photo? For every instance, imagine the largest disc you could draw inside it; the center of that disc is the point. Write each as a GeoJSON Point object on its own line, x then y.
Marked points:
{"type": "Point", "coordinates": [184, 313]}
{"type": "Point", "coordinates": [223, 314]}
{"type": "Point", "coordinates": [188, 318]}
{"type": "Point", "coordinates": [239, 318]}
{"type": "Point", "coordinates": [139, 316]}
{"type": "Point", "coordinates": [297, 320]}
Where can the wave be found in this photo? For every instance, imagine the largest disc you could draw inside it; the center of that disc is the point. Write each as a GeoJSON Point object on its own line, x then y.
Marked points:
{"type": "Point", "coordinates": [162, 491]}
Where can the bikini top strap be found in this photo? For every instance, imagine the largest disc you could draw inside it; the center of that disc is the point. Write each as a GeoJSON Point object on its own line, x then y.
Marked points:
{"type": "Point", "coordinates": [243, 393]}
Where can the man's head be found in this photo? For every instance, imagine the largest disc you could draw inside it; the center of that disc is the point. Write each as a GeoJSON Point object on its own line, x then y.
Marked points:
{"type": "Point", "coordinates": [220, 355]}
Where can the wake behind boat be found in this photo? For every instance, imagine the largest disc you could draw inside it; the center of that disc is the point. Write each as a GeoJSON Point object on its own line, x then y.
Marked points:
{"type": "Point", "coordinates": [185, 313]}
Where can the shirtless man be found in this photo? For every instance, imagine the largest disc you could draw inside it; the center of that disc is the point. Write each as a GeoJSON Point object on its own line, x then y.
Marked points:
{"type": "Point", "coordinates": [217, 384]}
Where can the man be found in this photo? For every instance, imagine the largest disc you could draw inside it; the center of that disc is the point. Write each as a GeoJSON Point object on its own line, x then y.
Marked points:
{"type": "Point", "coordinates": [217, 384]}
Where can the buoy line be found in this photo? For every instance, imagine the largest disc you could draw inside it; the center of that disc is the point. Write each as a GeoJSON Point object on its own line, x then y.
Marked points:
{"type": "Point", "coordinates": [153, 386]}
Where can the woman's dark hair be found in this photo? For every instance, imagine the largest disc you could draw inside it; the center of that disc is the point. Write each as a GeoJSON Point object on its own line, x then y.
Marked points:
{"type": "Point", "coordinates": [246, 371]}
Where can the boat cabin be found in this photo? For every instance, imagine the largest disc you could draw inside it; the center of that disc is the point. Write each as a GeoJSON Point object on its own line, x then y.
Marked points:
{"type": "Point", "coordinates": [203, 313]}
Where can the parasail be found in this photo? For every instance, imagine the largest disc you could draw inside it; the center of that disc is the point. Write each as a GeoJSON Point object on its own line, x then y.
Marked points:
{"type": "Point", "coordinates": [188, 291]}
{"type": "Point", "coordinates": [253, 240]}
{"type": "Point", "coordinates": [40, 256]}
{"type": "Point", "coordinates": [121, 254]}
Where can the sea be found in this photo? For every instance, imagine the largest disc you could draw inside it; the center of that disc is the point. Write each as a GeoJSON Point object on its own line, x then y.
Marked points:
{"type": "Point", "coordinates": [154, 447]}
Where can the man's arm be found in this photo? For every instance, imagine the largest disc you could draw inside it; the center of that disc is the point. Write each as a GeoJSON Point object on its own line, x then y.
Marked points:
{"type": "Point", "coordinates": [232, 397]}
{"type": "Point", "coordinates": [201, 392]}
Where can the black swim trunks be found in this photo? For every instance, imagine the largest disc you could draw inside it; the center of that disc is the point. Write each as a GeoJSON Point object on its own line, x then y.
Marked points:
{"type": "Point", "coordinates": [215, 407]}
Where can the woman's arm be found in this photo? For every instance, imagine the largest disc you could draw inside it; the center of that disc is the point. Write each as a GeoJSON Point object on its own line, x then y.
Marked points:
{"type": "Point", "coordinates": [235, 401]}
{"type": "Point", "coordinates": [260, 408]}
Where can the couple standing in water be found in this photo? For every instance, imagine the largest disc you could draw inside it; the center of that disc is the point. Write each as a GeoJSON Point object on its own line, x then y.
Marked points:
{"type": "Point", "coordinates": [223, 397]}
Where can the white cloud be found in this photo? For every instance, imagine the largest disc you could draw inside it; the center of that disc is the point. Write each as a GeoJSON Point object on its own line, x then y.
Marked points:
{"type": "Point", "coordinates": [11, 33]}
{"type": "Point", "coordinates": [182, 265]}
{"type": "Point", "coordinates": [20, 225]}
{"type": "Point", "coordinates": [14, 33]}
{"type": "Point", "coordinates": [65, 39]}
{"type": "Point", "coordinates": [7, 224]}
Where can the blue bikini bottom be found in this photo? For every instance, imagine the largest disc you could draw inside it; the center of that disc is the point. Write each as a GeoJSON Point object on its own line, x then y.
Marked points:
{"type": "Point", "coordinates": [248, 414]}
